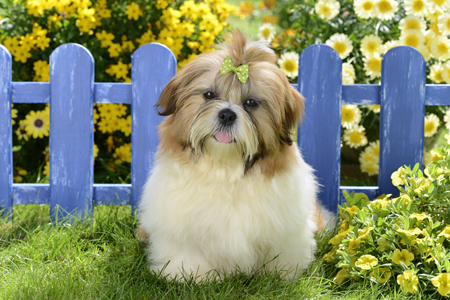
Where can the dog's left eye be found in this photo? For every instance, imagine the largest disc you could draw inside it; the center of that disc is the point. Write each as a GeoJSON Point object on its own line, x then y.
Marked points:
{"type": "Point", "coordinates": [250, 103]}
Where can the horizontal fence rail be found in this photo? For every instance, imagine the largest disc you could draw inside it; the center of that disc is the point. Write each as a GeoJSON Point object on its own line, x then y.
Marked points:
{"type": "Point", "coordinates": [72, 91]}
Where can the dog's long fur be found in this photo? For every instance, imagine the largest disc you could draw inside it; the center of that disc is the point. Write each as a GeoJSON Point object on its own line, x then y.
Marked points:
{"type": "Point", "coordinates": [213, 205]}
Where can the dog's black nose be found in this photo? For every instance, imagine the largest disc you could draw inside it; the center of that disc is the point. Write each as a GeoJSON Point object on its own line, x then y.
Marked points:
{"type": "Point", "coordinates": [227, 116]}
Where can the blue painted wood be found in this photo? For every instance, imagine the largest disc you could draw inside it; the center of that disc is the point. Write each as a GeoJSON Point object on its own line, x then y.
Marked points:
{"type": "Point", "coordinates": [402, 113]}
{"type": "Point", "coordinates": [319, 136]}
{"type": "Point", "coordinates": [31, 92]}
{"type": "Point", "coordinates": [6, 162]}
{"type": "Point", "coordinates": [437, 94]}
{"type": "Point", "coordinates": [153, 66]}
{"type": "Point", "coordinates": [361, 94]}
{"type": "Point", "coordinates": [31, 193]}
{"type": "Point", "coordinates": [71, 130]}
{"type": "Point", "coordinates": [112, 93]}
{"type": "Point", "coordinates": [112, 194]}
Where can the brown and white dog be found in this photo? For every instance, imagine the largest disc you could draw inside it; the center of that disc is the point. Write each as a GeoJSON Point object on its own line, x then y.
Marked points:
{"type": "Point", "coordinates": [229, 188]}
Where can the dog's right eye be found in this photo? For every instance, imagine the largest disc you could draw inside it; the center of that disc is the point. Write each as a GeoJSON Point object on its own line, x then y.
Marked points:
{"type": "Point", "coordinates": [209, 95]}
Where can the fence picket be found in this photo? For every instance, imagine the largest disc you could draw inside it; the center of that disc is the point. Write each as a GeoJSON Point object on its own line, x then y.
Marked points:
{"type": "Point", "coordinates": [71, 130]}
{"type": "Point", "coordinates": [6, 165]}
{"type": "Point", "coordinates": [154, 65]}
{"type": "Point", "coordinates": [319, 135]}
{"type": "Point", "coordinates": [402, 113]}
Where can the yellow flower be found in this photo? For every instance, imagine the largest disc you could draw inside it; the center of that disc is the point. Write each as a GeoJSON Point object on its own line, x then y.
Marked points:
{"type": "Point", "coordinates": [337, 239]}
{"type": "Point", "coordinates": [348, 73]}
{"type": "Point", "coordinates": [105, 38]}
{"type": "Point", "coordinates": [442, 282]}
{"type": "Point", "coordinates": [266, 32]}
{"type": "Point", "coordinates": [436, 74]}
{"type": "Point", "coordinates": [412, 22]}
{"type": "Point", "coordinates": [289, 64]}
{"type": "Point", "coordinates": [398, 177]}
{"type": "Point", "coordinates": [352, 210]}
{"type": "Point", "coordinates": [440, 48]}
{"type": "Point", "coordinates": [386, 9]}
{"type": "Point", "coordinates": [416, 7]}
{"type": "Point", "coordinates": [372, 66]}
{"type": "Point", "coordinates": [18, 173]}
{"type": "Point", "coordinates": [244, 10]}
{"type": "Point", "coordinates": [381, 274]}
{"type": "Point", "coordinates": [431, 125]}
{"type": "Point", "coordinates": [341, 43]}
{"type": "Point", "coordinates": [327, 9]}
{"type": "Point", "coordinates": [13, 114]}
{"type": "Point", "coordinates": [133, 11]}
{"type": "Point", "coordinates": [403, 256]}
{"type": "Point", "coordinates": [364, 234]}
{"type": "Point", "coordinates": [37, 124]}
{"type": "Point", "coordinates": [351, 115]}
{"type": "Point", "coordinates": [408, 281]}
{"type": "Point", "coordinates": [445, 232]}
{"type": "Point", "coordinates": [21, 132]}
{"type": "Point", "coordinates": [161, 4]}
{"type": "Point", "coordinates": [364, 8]}
{"type": "Point", "coordinates": [123, 154]}
{"type": "Point", "coordinates": [419, 217]}
{"type": "Point", "coordinates": [371, 44]}
{"type": "Point", "coordinates": [341, 275]}
{"type": "Point", "coordinates": [366, 262]}
{"type": "Point", "coordinates": [355, 136]}
{"type": "Point", "coordinates": [114, 50]}
{"type": "Point", "coordinates": [410, 234]}
{"type": "Point", "coordinates": [383, 244]}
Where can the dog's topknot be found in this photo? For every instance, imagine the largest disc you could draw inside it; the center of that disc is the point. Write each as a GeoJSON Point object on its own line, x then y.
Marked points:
{"type": "Point", "coordinates": [243, 51]}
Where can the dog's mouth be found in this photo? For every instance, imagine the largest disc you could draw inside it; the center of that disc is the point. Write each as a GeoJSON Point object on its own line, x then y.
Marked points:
{"type": "Point", "coordinates": [223, 137]}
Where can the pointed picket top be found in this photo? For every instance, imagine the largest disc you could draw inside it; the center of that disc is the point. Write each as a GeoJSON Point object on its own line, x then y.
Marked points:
{"type": "Point", "coordinates": [71, 131]}
{"type": "Point", "coordinates": [6, 171]}
{"type": "Point", "coordinates": [153, 66]}
{"type": "Point", "coordinates": [319, 134]}
{"type": "Point", "coordinates": [403, 79]}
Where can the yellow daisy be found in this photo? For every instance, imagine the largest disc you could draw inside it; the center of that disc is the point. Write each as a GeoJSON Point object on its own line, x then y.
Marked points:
{"type": "Point", "coordinates": [37, 124]}
{"type": "Point", "coordinates": [371, 45]}
{"type": "Point", "coordinates": [266, 32]}
{"type": "Point", "coordinates": [436, 73]}
{"type": "Point", "coordinates": [442, 5]}
{"type": "Point", "coordinates": [364, 8]}
{"type": "Point", "coordinates": [440, 48]}
{"type": "Point", "coordinates": [386, 9]}
{"type": "Point", "coordinates": [341, 43]}
{"type": "Point", "coordinates": [444, 23]}
{"type": "Point", "coordinates": [372, 66]}
{"type": "Point", "coordinates": [412, 22]}
{"type": "Point", "coordinates": [412, 37]}
{"type": "Point", "coordinates": [431, 125]}
{"type": "Point", "coordinates": [355, 137]}
{"type": "Point", "coordinates": [289, 64]}
{"type": "Point", "coordinates": [348, 73]}
{"type": "Point", "coordinates": [327, 9]}
{"type": "Point", "coordinates": [368, 157]}
{"type": "Point", "coordinates": [416, 7]}
{"type": "Point", "coordinates": [21, 132]}
{"type": "Point", "coordinates": [123, 154]}
{"type": "Point", "coordinates": [351, 115]}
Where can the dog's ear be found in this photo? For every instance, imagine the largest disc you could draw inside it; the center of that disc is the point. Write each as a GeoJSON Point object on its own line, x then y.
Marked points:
{"type": "Point", "coordinates": [294, 107]}
{"type": "Point", "coordinates": [167, 102]}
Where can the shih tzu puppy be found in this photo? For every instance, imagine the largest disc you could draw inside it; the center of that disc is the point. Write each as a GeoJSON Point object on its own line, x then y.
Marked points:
{"type": "Point", "coordinates": [229, 189]}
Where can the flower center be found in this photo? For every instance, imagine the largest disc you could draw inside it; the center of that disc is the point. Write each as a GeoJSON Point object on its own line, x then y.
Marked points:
{"type": "Point", "coordinates": [38, 123]}
{"type": "Point", "coordinates": [442, 48]}
{"type": "Point", "coordinates": [340, 47]}
{"type": "Point", "coordinates": [367, 6]}
{"type": "Point", "coordinates": [384, 6]}
{"type": "Point", "coordinates": [266, 33]}
{"type": "Point", "coordinates": [289, 66]}
{"type": "Point", "coordinates": [372, 46]}
{"type": "Point", "coordinates": [418, 5]}
{"type": "Point", "coordinates": [412, 24]}
{"type": "Point", "coordinates": [375, 64]}
{"type": "Point", "coordinates": [355, 137]}
{"type": "Point", "coordinates": [429, 126]}
{"type": "Point", "coordinates": [412, 40]}
{"type": "Point", "coordinates": [348, 115]}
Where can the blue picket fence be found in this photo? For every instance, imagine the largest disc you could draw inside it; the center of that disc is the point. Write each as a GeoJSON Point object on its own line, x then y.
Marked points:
{"type": "Point", "coordinates": [403, 94]}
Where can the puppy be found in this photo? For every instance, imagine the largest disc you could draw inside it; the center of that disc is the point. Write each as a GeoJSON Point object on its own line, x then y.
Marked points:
{"type": "Point", "coordinates": [229, 189]}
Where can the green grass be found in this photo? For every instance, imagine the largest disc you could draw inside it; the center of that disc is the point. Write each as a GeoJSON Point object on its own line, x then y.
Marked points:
{"type": "Point", "coordinates": [101, 258]}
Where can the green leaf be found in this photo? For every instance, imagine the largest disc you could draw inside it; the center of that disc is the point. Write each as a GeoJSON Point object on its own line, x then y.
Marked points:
{"type": "Point", "coordinates": [416, 167]}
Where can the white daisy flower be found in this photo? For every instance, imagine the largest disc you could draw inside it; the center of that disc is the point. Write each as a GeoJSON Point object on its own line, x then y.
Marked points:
{"type": "Point", "coordinates": [351, 115]}
{"type": "Point", "coordinates": [327, 9]}
{"type": "Point", "coordinates": [364, 9]}
{"type": "Point", "coordinates": [386, 9]}
{"type": "Point", "coordinates": [341, 43]}
{"type": "Point", "coordinates": [431, 125]}
{"type": "Point", "coordinates": [433, 15]}
{"type": "Point", "coordinates": [266, 32]}
{"type": "Point", "coordinates": [289, 64]}
{"type": "Point", "coordinates": [447, 119]}
{"type": "Point", "coordinates": [348, 73]}
{"type": "Point", "coordinates": [372, 66]}
{"type": "Point", "coordinates": [443, 5]}
{"type": "Point", "coordinates": [444, 23]}
{"type": "Point", "coordinates": [355, 137]}
{"type": "Point", "coordinates": [371, 44]}
{"type": "Point", "coordinates": [389, 45]}
{"type": "Point", "coordinates": [370, 168]}
{"type": "Point", "coordinates": [369, 158]}
{"type": "Point", "coordinates": [445, 73]}
{"type": "Point", "coordinates": [436, 73]}
{"type": "Point", "coordinates": [424, 51]}
{"type": "Point", "coordinates": [374, 107]}
{"type": "Point", "coordinates": [412, 22]}
{"type": "Point", "coordinates": [412, 37]}
{"type": "Point", "coordinates": [440, 48]}
{"type": "Point", "coordinates": [416, 7]}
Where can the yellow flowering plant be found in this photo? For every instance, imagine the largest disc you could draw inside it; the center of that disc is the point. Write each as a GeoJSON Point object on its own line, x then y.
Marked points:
{"type": "Point", "coordinates": [402, 242]}
{"type": "Point", "coordinates": [362, 31]}
{"type": "Point", "coordinates": [111, 31]}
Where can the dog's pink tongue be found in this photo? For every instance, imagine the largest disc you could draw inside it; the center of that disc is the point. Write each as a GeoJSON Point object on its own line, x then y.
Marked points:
{"type": "Point", "coordinates": [223, 137]}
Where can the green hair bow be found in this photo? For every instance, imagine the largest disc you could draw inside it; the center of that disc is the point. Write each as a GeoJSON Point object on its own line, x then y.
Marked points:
{"type": "Point", "coordinates": [241, 71]}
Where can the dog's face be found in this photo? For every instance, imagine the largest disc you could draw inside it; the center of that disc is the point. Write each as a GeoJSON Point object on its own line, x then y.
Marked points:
{"type": "Point", "coordinates": [213, 112]}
